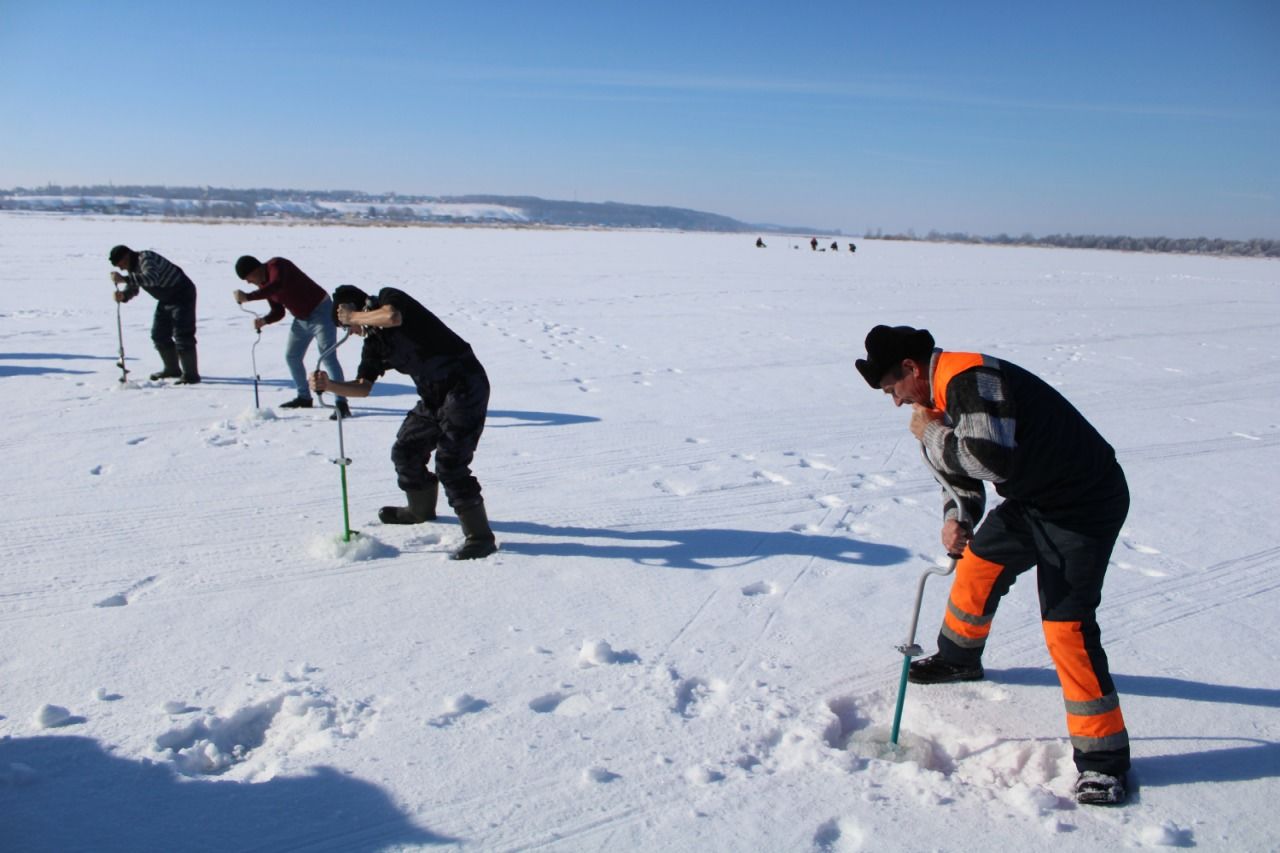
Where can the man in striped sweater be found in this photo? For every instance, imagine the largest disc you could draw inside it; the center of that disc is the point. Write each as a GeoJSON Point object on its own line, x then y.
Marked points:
{"type": "Point", "coordinates": [173, 330]}
{"type": "Point", "coordinates": [1065, 498]}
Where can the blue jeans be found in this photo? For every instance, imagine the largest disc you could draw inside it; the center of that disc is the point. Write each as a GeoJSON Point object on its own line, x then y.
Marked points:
{"type": "Point", "coordinates": [319, 326]}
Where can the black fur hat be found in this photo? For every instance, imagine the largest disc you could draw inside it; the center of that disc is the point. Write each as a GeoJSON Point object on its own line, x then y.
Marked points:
{"type": "Point", "coordinates": [887, 346]}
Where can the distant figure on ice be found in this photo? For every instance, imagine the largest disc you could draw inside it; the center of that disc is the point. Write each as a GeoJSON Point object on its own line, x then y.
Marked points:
{"type": "Point", "coordinates": [835, 246]}
{"type": "Point", "coordinates": [760, 243]}
{"type": "Point", "coordinates": [1065, 499]}
{"type": "Point", "coordinates": [813, 243]}
{"type": "Point", "coordinates": [173, 330]}
{"type": "Point", "coordinates": [399, 333]}
{"type": "Point", "coordinates": [285, 286]}
{"type": "Point", "coordinates": [852, 248]}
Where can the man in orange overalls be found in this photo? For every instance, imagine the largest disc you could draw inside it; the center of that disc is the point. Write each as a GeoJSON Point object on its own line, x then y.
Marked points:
{"type": "Point", "coordinates": [1065, 498]}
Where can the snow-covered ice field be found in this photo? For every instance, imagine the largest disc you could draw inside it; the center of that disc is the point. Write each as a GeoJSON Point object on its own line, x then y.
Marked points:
{"type": "Point", "coordinates": [710, 529]}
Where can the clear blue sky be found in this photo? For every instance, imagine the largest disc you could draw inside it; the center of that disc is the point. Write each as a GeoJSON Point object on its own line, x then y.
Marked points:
{"type": "Point", "coordinates": [1120, 117]}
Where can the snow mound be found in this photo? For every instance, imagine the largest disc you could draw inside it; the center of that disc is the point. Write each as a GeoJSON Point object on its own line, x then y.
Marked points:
{"type": "Point", "coordinates": [360, 547]}
{"type": "Point", "coordinates": [699, 775]}
{"type": "Point", "coordinates": [263, 734]}
{"type": "Point", "coordinates": [456, 707]}
{"type": "Point", "coordinates": [52, 716]}
{"type": "Point", "coordinates": [1166, 834]}
{"type": "Point", "coordinates": [251, 416]}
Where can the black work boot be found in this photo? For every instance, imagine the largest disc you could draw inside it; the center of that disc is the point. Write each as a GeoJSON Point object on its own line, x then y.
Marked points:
{"type": "Point", "coordinates": [422, 507]}
{"type": "Point", "coordinates": [297, 403]}
{"type": "Point", "coordinates": [936, 670]}
{"type": "Point", "coordinates": [1101, 789]}
{"type": "Point", "coordinates": [475, 526]}
{"type": "Point", "coordinates": [190, 369]}
{"type": "Point", "coordinates": [341, 410]}
{"type": "Point", "coordinates": [169, 356]}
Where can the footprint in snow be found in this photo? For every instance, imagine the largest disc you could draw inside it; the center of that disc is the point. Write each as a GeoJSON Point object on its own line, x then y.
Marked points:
{"type": "Point", "coordinates": [679, 490]}
{"type": "Point", "coordinates": [99, 470]}
{"type": "Point", "coordinates": [136, 441]}
{"type": "Point", "coordinates": [120, 599]}
{"type": "Point", "coordinates": [1141, 549]}
{"type": "Point", "coordinates": [1142, 570]}
{"type": "Point", "coordinates": [838, 835]}
{"type": "Point", "coordinates": [771, 477]}
{"type": "Point", "coordinates": [760, 588]}
{"type": "Point", "coordinates": [696, 697]}
{"type": "Point", "coordinates": [175, 707]}
{"type": "Point", "coordinates": [561, 704]}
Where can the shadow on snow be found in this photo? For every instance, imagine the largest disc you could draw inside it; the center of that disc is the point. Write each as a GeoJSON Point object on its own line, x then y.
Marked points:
{"type": "Point", "coordinates": [67, 794]}
{"type": "Point", "coordinates": [1249, 759]}
{"type": "Point", "coordinates": [30, 370]}
{"type": "Point", "coordinates": [42, 370]}
{"type": "Point", "coordinates": [690, 549]}
{"type": "Point", "coordinates": [54, 356]}
{"type": "Point", "coordinates": [1150, 685]}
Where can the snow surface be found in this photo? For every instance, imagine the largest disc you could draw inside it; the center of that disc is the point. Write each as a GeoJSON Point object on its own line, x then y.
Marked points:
{"type": "Point", "coordinates": [711, 533]}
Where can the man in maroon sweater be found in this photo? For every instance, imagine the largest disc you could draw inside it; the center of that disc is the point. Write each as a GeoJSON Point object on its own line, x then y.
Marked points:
{"type": "Point", "coordinates": [286, 287]}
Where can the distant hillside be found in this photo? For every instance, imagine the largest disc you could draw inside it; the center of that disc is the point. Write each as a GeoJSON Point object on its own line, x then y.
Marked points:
{"type": "Point", "coordinates": [351, 206]}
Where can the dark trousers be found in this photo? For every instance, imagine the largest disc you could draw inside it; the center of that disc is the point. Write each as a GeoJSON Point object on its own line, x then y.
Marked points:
{"type": "Point", "coordinates": [174, 326]}
{"type": "Point", "coordinates": [1071, 551]}
{"type": "Point", "coordinates": [448, 421]}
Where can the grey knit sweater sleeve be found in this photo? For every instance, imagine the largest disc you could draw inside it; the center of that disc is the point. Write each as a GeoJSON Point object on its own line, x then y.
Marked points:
{"type": "Point", "coordinates": [156, 274]}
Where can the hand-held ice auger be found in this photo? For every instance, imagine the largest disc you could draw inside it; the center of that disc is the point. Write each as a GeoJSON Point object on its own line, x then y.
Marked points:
{"type": "Point", "coordinates": [342, 461]}
{"type": "Point", "coordinates": [253, 354]}
{"type": "Point", "coordinates": [910, 648]}
{"type": "Point", "coordinates": [124, 371]}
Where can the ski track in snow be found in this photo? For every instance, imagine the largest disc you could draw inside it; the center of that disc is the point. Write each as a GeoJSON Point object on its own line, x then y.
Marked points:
{"type": "Point", "coordinates": [686, 639]}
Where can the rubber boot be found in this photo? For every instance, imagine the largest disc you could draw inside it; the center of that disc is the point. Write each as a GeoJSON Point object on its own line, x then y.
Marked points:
{"type": "Point", "coordinates": [190, 370]}
{"type": "Point", "coordinates": [169, 356]}
{"type": "Point", "coordinates": [475, 526]}
{"type": "Point", "coordinates": [938, 670]}
{"type": "Point", "coordinates": [422, 507]}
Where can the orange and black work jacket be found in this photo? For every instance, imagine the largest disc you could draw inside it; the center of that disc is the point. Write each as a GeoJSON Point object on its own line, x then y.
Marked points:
{"type": "Point", "coordinates": [1007, 426]}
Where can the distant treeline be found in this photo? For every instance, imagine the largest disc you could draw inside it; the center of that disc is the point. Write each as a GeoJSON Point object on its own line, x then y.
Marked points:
{"type": "Point", "coordinates": [355, 206]}
{"type": "Point", "coordinates": [1257, 248]}
{"type": "Point", "coordinates": [222, 194]}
